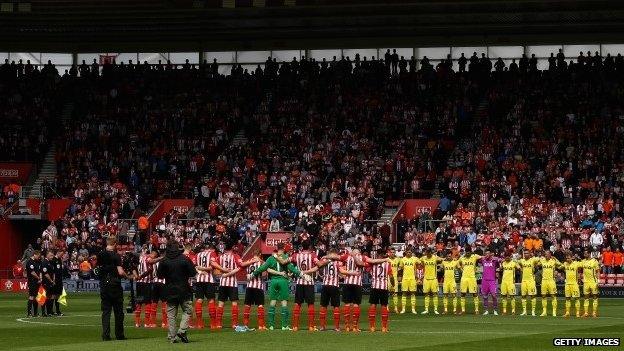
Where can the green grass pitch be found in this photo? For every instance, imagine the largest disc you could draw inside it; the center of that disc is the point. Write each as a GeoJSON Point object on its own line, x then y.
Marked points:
{"type": "Point", "coordinates": [80, 330]}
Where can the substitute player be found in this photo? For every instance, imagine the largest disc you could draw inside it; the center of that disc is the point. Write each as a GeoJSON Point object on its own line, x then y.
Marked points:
{"type": "Point", "coordinates": [549, 288]}
{"type": "Point", "coordinates": [408, 281]}
{"type": "Point", "coordinates": [380, 273]}
{"type": "Point", "coordinates": [449, 287]}
{"type": "Point", "coordinates": [394, 286]}
{"type": "Point", "coordinates": [489, 283]}
{"type": "Point", "coordinates": [304, 290]}
{"type": "Point", "coordinates": [527, 284]}
{"type": "Point", "coordinates": [591, 269]}
{"type": "Point", "coordinates": [572, 292]}
{"type": "Point", "coordinates": [430, 281]}
{"type": "Point", "coordinates": [468, 282]}
{"type": "Point", "coordinates": [508, 284]}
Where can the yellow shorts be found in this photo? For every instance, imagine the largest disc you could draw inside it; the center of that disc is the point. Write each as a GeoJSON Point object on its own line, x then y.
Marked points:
{"type": "Point", "coordinates": [572, 290]}
{"type": "Point", "coordinates": [449, 287]}
{"type": "Point", "coordinates": [527, 287]}
{"type": "Point", "coordinates": [430, 286]}
{"type": "Point", "coordinates": [393, 288]}
{"type": "Point", "coordinates": [508, 288]}
{"type": "Point", "coordinates": [549, 287]}
{"type": "Point", "coordinates": [590, 289]}
{"type": "Point", "coordinates": [468, 286]}
{"type": "Point", "coordinates": [408, 285]}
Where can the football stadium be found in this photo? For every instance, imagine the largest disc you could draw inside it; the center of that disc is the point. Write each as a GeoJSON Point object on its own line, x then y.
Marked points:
{"type": "Point", "coordinates": [311, 174]}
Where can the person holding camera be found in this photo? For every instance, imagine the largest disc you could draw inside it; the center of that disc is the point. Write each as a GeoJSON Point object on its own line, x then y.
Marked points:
{"type": "Point", "coordinates": [110, 272]}
{"type": "Point", "coordinates": [177, 269]}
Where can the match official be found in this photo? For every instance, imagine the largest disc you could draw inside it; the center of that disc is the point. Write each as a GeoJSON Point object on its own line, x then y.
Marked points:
{"type": "Point", "coordinates": [177, 269]}
{"type": "Point", "coordinates": [110, 273]}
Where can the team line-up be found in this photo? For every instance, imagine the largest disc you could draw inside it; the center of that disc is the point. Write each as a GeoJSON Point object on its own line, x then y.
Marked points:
{"type": "Point", "coordinates": [342, 274]}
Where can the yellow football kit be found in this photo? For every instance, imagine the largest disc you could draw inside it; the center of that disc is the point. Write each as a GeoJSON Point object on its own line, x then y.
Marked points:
{"type": "Point", "coordinates": [549, 287]}
{"type": "Point", "coordinates": [527, 284]}
{"type": "Point", "coordinates": [430, 281]}
{"type": "Point", "coordinates": [508, 285]}
{"type": "Point", "coordinates": [394, 263]}
{"type": "Point", "coordinates": [449, 285]}
{"type": "Point", "coordinates": [468, 281]}
{"type": "Point", "coordinates": [590, 276]}
{"type": "Point", "coordinates": [408, 281]}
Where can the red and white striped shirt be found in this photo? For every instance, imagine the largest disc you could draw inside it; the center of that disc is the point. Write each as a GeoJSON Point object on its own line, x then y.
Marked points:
{"type": "Point", "coordinates": [379, 275]}
{"type": "Point", "coordinates": [143, 267]}
{"type": "Point", "coordinates": [350, 265]}
{"type": "Point", "coordinates": [331, 273]}
{"type": "Point", "coordinates": [229, 261]}
{"type": "Point", "coordinates": [155, 275]}
{"type": "Point", "coordinates": [255, 282]}
{"type": "Point", "coordinates": [203, 260]}
{"type": "Point", "coordinates": [305, 260]}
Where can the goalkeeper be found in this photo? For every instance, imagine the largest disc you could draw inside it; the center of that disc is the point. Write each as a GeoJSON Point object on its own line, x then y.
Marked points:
{"type": "Point", "coordinates": [278, 267]}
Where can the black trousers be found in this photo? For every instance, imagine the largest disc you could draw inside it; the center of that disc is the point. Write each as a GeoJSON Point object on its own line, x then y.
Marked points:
{"type": "Point", "coordinates": [112, 301]}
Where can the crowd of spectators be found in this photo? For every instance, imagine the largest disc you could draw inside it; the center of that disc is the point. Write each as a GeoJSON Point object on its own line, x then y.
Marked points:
{"type": "Point", "coordinates": [522, 158]}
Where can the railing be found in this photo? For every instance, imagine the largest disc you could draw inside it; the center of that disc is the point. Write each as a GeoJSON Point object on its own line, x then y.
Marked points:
{"type": "Point", "coordinates": [9, 210]}
{"type": "Point", "coordinates": [127, 230]}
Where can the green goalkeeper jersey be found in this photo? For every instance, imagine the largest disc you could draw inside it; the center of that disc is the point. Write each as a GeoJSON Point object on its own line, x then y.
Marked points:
{"type": "Point", "coordinates": [275, 265]}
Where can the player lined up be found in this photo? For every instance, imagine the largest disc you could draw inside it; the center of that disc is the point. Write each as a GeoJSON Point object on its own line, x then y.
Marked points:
{"type": "Point", "coordinates": [491, 265]}
{"type": "Point", "coordinates": [346, 270]}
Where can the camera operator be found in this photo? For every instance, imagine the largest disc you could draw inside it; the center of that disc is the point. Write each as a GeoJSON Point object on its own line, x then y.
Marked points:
{"type": "Point", "coordinates": [110, 273]}
{"type": "Point", "coordinates": [176, 269]}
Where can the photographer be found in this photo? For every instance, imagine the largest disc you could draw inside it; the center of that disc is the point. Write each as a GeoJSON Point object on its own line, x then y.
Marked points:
{"type": "Point", "coordinates": [177, 269]}
{"type": "Point", "coordinates": [110, 273]}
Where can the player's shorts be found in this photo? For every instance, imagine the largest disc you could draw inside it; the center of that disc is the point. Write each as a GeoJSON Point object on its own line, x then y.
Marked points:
{"type": "Point", "coordinates": [449, 287]}
{"type": "Point", "coordinates": [158, 292]}
{"type": "Point", "coordinates": [488, 287]}
{"type": "Point", "coordinates": [468, 286]}
{"type": "Point", "coordinates": [144, 292]}
{"type": "Point", "coordinates": [408, 285]}
{"type": "Point", "coordinates": [548, 287]}
{"type": "Point", "coordinates": [254, 297]}
{"type": "Point", "coordinates": [48, 288]}
{"type": "Point", "coordinates": [228, 293]}
{"type": "Point", "coordinates": [572, 290]}
{"type": "Point", "coordinates": [527, 287]}
{"type": "Point", "coordinates": [590, 289]}
{"type": "Point", "coordinates": [352, 293]}
{"type": "Point", "coordinates": [508, 288]}
{"type": "Point", "coordinates": [393, 287]}
{"type": "Point", "coordinates": [279, 289]}
{"type": "Point", "coordinates": [33, 289]}
{"type": "Point", "coordinates": [204, 290]}
{"type": "Point", "coordinates": [430, 286]}
{"type": "Point", "coordinates": [57, 288]}
{"type": "Point", "coordinates": [330, 295]}
{"type": "Point", "coordinates": [304, 293]}
{"type": "Point", "coordinates": [378, 297]}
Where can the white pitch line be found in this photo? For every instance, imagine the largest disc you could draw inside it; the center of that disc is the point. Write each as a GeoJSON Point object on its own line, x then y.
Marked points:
{"type": "Point", "coordinates": [25, 320]}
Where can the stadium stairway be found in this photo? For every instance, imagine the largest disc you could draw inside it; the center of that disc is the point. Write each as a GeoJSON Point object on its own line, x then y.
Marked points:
{"type": "Point", "coordinates": [48, 166]}
{"type": "Point", "coordinates": [239, 139]}
{"type": "Point", "coordinates": [387, 215]}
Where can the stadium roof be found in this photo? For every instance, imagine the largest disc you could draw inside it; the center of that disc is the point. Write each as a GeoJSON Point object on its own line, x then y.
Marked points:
{"type": "Point", "coordinates": [115, 25]}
